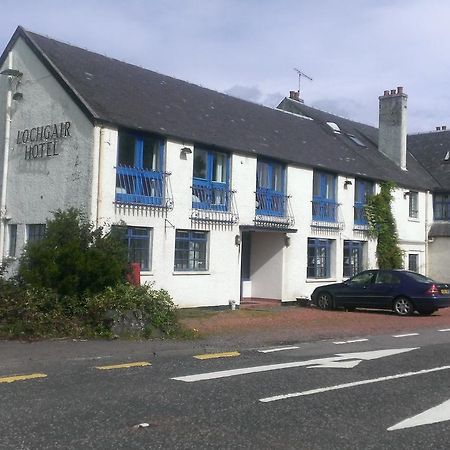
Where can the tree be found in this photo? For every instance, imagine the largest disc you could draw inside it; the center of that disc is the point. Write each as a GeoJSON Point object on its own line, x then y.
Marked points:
{"type": "Point", "coordinates": [74, 258]}
{"type": "Point", "coordinates": [382, 226]}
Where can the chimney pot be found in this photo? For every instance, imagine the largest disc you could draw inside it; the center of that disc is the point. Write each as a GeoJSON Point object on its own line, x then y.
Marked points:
{"type": "Point", "coordinates": [438, 128]}
{"type": "Point", "coordinates": [294, 95]}
{"type": "Point", "coordinates": [444, 127]}
{"type": "Point", "coordinates": [386, 93]}
{"type": "Point", "coordinates": [400, 90]}
{"type": "Point", "coordinates": [393, 92]}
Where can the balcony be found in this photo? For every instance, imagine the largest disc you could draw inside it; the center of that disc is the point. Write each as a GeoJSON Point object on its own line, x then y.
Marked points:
{"type": "Point", "coordinates": [136, 186]}
{"type": "Point", "coordinates": [273, 209]}
{"type": "Point", "coordinates": [360, 217]}
{"type": "Point", "coordinates": [213, 202]}
{"type": "Point", "coordinates": [325, 214]}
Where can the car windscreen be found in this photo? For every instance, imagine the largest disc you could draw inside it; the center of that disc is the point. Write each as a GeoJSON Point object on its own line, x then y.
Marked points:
{"type": "Point", "coordinates": [420, 278]}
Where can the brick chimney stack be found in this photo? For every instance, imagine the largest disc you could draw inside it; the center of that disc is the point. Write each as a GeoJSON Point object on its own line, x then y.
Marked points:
{"type": "Point", "coordinates": [393, 125]}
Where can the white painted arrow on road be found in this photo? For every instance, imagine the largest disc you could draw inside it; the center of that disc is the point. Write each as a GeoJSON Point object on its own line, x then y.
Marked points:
{"type": "Point", "coordinates": [440, 413]}
{"type": "Point", "coordinates": [342, 358]}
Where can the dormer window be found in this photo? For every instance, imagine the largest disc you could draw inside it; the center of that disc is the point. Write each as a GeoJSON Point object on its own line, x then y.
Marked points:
{"type": "Point", "coordinates": [334, 127]}
{"type": "Point", "coordinates": [356, 140]}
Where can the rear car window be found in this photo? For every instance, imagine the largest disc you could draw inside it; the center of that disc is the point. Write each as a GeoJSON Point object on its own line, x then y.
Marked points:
{"type": "Point", "coordinates": [420, 278]}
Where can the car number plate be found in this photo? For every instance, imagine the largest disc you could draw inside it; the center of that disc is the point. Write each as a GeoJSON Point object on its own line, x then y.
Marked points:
{"type": "Point", "coordinates": [444, 291]}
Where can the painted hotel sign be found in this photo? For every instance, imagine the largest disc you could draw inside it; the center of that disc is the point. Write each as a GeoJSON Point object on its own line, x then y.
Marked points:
{"type": "Point", "coordinates": [42, 141]}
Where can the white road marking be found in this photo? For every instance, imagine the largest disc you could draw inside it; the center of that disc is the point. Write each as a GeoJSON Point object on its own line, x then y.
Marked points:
{"type": "Point", "coordinates": [313, 362]}
{"type": "Point", "coordinates": [405, 335]}
{"type": "Point", "coordinates": [278, 349]}
{"type": "Point", "coordinates": [350, 342]}
{"type": "Point", "coordinates": [445, 329]}
{"type": "Point", "coordinates": [439, 413]}
{"type": "Point", "coordinates": [353, 384]}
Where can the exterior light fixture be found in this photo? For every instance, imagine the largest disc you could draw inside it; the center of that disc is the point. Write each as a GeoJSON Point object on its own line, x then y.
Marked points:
{"type": "Point", "coordinates": [406, 194]}
{"type": "Point", "coordinates": [185, 151]}
{"type": "Point", "coordinates": [17, 96]}
{"type": "Point", "coordinates": [347, 183]}
{"type": "Point", "coordinates": [237, 240]}
{"type": "Point", "coordinates": [287, 240]}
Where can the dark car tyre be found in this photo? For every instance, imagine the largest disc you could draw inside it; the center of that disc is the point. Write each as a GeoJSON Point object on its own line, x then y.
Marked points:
{"type": "Point", "coordinates": [403, 306]}
{"type": "Point", "coordinates": [324, 301]}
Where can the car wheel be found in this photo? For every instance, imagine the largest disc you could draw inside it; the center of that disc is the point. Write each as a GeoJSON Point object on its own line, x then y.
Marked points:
{"type": "Point", "coordinates": [324, 301]}
{"type": "Point", "coordinates": [403, 306]}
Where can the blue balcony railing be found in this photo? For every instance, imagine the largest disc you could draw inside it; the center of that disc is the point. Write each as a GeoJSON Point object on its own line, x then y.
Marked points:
{"type": "Point", "coordinates": [270, 203]}
{"type": "Point", "coordinates": [324, 210]}
{"type": "Point", "coordinates": [213, 203]}
{"type": "Point", "coordinates": [273, 209]}
{"type": "Point", "coordinates": [141, 187]}
{"type": "Point", "coordinates": [213, 196]}
{"type": "Point", "coordinates": [360, 217]}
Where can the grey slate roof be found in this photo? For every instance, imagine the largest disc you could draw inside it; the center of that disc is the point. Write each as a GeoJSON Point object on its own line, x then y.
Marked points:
{"type": "Point", "coordinates": [125, 95]}
{"type": "Point", "coordinates": [430, 149]}
{"type": "Point", "coordinates": [414, 177]}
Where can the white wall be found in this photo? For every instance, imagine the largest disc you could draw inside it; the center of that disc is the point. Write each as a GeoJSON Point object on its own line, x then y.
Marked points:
{"type": "Point", "coordinates": [37, 186]}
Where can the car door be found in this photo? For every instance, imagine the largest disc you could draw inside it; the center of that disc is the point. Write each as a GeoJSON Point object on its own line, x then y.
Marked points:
{"type": "Point", "coordinates": [385, 284]}
{"type": "Point", "coordinates": [354, 292]}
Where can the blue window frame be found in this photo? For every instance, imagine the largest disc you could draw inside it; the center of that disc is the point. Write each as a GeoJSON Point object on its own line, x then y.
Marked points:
{"type": "Point", "coordinates": [138, 243]}
{"type": "Point", "coordinates": [319, 258]}
{"type": "Point", "coordinates": [191, 248]}
{"type": "Point", "coordinates": [324, 206]}
{"type": "Point", "coordinates": [353, 257]}
{"type": "Point", "coordinates": [210, 184]}
{"type": "Point", "coordinates": [270, 188]}
{"type": "Point", "coordinates": [140, 177]}
{"type": "Point", "coordinates": [442, 206]}
{"type": "Point", "coordinates": [363, 190]}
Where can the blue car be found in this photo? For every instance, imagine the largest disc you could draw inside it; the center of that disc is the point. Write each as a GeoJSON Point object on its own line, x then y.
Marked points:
{"type": "Point", "coordinates": [401, 291]}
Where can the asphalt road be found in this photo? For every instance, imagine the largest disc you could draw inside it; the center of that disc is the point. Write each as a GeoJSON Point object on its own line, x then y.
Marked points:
{"type": "Point", "coordinates": [380, 392]}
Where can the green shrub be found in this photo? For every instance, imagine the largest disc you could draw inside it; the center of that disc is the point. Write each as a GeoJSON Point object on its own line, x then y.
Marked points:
{"type": "Point", "coordinates": [151, 310]}
{"type": "Point", "coordinates": [74, 258]}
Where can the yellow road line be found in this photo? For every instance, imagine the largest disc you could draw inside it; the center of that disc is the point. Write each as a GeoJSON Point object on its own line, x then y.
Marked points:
{"type": "Point", "coordinates": [13, 378]}
{"type": "Point", "coordinates": [124, 366]}
{"type": "Point", "coordinates": [217, 355]}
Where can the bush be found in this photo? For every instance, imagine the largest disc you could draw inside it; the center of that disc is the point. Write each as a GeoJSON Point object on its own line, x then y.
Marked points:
{"type": "Point", "coordinates": [134, 309]}
{"type": "Point", "coordinates": [73, 259]}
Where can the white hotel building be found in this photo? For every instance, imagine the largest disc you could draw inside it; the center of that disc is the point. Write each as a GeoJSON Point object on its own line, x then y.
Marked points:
{"type": "Point", "coordinates": [223, 200]}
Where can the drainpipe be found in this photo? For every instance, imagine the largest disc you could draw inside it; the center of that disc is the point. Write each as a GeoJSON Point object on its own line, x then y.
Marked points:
{"type": "Point", "coordinates": [99, 176]}
{"type": "Point", "coordinates": [5, 163]}
{"type": "Point", "coordinates": [427, 195]}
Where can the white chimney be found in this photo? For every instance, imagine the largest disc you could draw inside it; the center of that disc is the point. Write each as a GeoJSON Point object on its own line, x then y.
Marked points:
{"type": "Point", "coordinates": [393, 126]}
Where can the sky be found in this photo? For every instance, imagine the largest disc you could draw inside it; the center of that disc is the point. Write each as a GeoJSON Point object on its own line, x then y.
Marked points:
{"type": "Point", "coordinates": [352, 49]}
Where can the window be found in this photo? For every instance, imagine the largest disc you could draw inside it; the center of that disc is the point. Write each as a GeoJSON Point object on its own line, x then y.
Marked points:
{"type": "Point", "coordinates": [319, 257]}
{"type": "Point", "coordinates": [353, 257]}
{"type": "Point", "coordinates": [210, 188]}
{"type": "Point", "coordinates": [356, 140]}
{"type": "Point", "coordinates": [139, 169]}
{"type": "Point", "coordinates": [35, 232]}
{"type": "Point", "coordinates": [138, 243]}
{"type": "Point", "coordinates": [413, 204]}
{"type": "Point", "coordinates": [324, 206]}
{"type": "Point", "coordinates": [363, 190]}
{"type": "Point", "coordinates": [442, 206]}
{"type": "Point", "coordinates": [363, 278]}
{"type": "Point", "coordinates": [12, 240]}
{"type": "Point", "coordinates": [387, 278]}
{"type": "Point", "coordinates": [270, 188]}
{"type": "Point", "coordinates": [191, 250]}
{"type": "Point", "coordinates": [413, 262]}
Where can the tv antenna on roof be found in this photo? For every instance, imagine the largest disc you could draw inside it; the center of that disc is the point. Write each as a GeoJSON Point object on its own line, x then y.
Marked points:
{"type": "Point", "coordinates": [300, 75]}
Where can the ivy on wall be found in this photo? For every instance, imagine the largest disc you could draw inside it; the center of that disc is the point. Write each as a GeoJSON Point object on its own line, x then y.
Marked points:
{"type": "Point", "coordinates": [382, 226]}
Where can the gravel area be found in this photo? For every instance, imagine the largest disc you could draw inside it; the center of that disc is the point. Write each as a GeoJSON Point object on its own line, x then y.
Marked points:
{"type": "Point", "coordinates": [285, 324]}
